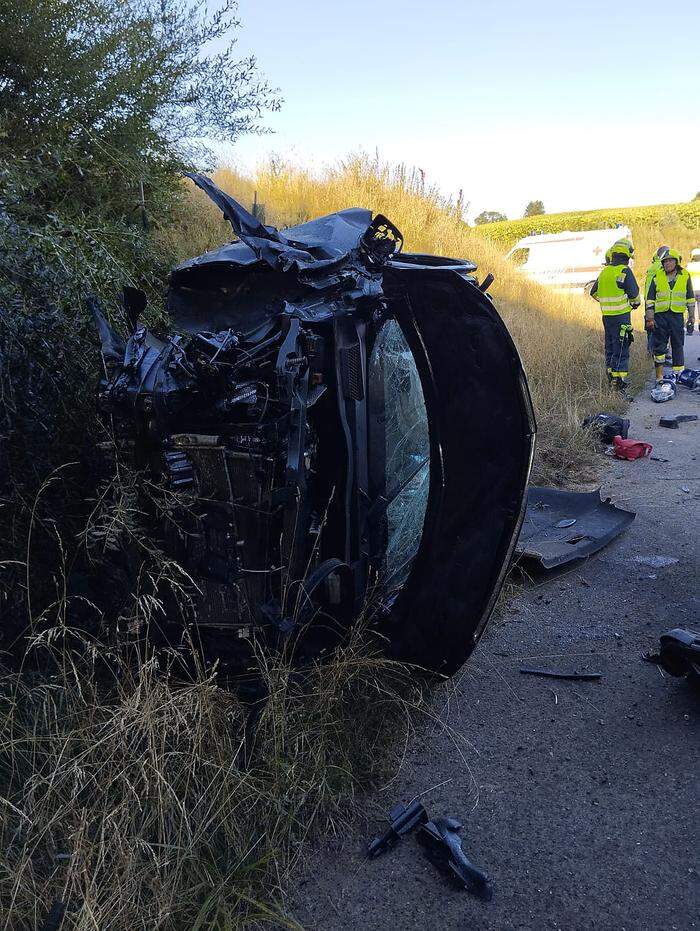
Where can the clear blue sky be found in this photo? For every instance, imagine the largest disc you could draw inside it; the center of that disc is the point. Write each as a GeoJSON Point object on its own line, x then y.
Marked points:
{"type": "Point", "coordinates": [580, 104]}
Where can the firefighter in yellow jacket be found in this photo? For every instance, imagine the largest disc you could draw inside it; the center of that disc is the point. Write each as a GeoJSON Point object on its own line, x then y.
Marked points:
{"type": "Point", "coordinates": [669, 300]}
{"type": "Point", "coordinates": [617, 292]}
{"type": "Point", "coordinates": [651, 274]}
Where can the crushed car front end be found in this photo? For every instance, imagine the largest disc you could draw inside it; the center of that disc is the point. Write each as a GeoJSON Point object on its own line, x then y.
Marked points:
{"type": "Point", "coordinates": [354, 430]}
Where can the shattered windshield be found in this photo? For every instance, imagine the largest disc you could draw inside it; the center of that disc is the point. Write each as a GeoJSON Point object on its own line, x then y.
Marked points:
{"type": "Point", "coordinates": [400, 454]}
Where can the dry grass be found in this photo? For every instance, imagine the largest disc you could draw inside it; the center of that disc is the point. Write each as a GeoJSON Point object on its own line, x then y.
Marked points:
{"type": "Point", "coordinates": [141, 802]}
{"type": "Point", "coordinates": [559, 337]}
{"type": "Point", "coordinates": [140, 792]}
{"type": "Point", "coordinates": [648, 238]}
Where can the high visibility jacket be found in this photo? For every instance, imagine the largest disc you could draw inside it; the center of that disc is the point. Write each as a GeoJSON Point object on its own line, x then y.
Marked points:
{"type": "Point", "coordinates": [651, 274]}
{"type": "Point", "coordinates": [671, 297]}
{"type": "Point", "coordinates": [609, 291]}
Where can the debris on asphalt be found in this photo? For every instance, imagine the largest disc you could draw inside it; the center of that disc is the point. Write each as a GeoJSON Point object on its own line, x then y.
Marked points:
{"type": "Point", "coordinates": [665, 391]}
{"type": "Point", "coordinates": [673, 422]}
{"type": "Point", "coordinates": [607, 426]}
{"type": "Point", "coordinates": [558, 674]}
{"type": "Point", "coordinates": [679, 653]}
{"type": "Point", "coordinates": [631, 449]}
{"type": "Point", "coordinates": [443, 847]}
{"type": "Point", "coordinates": [658, 459]}
{"type": "Point", "coordinates": [656, 562]}
{"type": "Point", "coordinates": [547, 536]}
{"type": "Point", "coordinates": [402, 819]}
{"type": "Point", "coordinates": [689, 378]}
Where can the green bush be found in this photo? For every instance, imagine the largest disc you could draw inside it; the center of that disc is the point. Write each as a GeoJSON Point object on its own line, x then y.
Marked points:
{"type": "Point", "coordinates": [99, 104]}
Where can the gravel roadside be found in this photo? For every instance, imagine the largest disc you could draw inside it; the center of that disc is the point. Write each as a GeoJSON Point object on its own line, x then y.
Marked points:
{"type": "Point", "coordinates": [579, 798]}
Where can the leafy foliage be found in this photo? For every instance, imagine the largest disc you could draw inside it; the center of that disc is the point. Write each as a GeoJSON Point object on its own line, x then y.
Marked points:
{"type": "Point", "coordinates": [534, 208]}
{"type": "Point", "coordinates": [489, 216]}
{"type": "Point", "coordinates": [98, 100]}
{"type": "Point", "coordinates": [49, 371]}
{"type": "Point", "coordinates": [99, 95]}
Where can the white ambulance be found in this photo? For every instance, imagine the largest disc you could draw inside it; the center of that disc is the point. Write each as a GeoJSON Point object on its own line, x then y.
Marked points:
{"type": "Point", "coordinates": [693, 267]}
{"type": "Point", "coordinates": [566, 261]}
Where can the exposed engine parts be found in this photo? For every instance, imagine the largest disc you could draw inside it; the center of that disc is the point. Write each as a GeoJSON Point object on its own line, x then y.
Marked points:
{"type": "Point", "coordinates": [350, 427]}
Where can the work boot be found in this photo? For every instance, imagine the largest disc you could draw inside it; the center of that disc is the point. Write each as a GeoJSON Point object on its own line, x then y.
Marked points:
{"type": "Point", "coordinates": [620, 385]}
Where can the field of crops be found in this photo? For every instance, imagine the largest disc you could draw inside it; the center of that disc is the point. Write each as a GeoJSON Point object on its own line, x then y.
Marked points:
{"type": "Point", "coordinates": [507, 232]}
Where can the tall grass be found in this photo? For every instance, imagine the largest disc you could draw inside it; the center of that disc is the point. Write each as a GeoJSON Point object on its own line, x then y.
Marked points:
{"type": "Point", "coordinates": [137, 789]}
{"type": "Point", "coordinates": [559, 336]}
{"type": "Point", "coordinates": [131, 800]}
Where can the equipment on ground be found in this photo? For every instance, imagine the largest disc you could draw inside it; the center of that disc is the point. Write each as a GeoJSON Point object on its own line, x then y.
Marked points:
{"type": "Point", "coordinates": [607, 426]}
{"type": "Point", "coordinates": [663, 391]}
{"type": "Point", "coordinates": [689, 378]}
{"type": "Point", "coordinates": [679, 653]}
{"type": "Point", "coordinates": [443, 846]}
{"type": "Point", "coordinates": [631, 449]}
{"type": "Point", "coordinates": [402, 819]}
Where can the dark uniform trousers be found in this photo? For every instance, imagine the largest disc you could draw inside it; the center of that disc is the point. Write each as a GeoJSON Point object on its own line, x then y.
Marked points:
{"type": "Point", "coordinates": [668, 325]}
{"type": "Point", "coordinates": [617, 349]}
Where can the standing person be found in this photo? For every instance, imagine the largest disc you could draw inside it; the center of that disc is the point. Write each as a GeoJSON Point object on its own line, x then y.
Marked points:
{"type": "Point", "coordinates": [651, 274]}
{"type": "Point", "coordinates": [617, 292]}
{"type": "Point", "coordinates": [690, 322]}
{"type": "Point", "coordinates": [670, 298]}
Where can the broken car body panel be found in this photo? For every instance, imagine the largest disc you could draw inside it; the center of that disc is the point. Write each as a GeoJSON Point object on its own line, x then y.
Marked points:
{"type": "Point", "coordinates": [561, 526]}
{"type": "Point", "coordinates": [354, 427]}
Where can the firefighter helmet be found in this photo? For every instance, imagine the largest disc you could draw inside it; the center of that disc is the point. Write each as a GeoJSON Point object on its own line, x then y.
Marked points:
{"type": "Point", "coordinates": [623, 247]}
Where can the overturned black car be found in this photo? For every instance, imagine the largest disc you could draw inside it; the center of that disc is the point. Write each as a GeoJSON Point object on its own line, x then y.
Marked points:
{"type": "Point", "coordinates": [354, 427]}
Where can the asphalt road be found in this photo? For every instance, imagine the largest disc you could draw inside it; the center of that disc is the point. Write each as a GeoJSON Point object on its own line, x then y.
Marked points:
{"type": "Point", "coordinates": [581, 799]}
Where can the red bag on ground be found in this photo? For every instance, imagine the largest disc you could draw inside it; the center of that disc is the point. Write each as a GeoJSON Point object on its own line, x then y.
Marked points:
{"type": "Point", "coordinates": [631, 449]}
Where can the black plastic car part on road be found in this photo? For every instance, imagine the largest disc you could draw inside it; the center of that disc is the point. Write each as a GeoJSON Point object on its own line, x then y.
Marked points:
{"type": "Point", "coordinates": [352, 426]}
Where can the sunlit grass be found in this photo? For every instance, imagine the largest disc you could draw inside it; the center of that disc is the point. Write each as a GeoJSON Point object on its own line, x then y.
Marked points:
{"type": "Point", "coordinates": [559, 336]}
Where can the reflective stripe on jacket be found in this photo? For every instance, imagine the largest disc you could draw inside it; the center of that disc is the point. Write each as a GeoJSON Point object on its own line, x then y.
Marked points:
{"type": "Point", "coordinates": [609, 291]}
{"type": "Point", "coordinates": [666, 296]}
